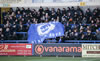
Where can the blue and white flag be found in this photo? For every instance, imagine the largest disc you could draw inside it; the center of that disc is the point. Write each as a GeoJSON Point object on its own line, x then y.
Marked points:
{"type": "Point", "coordinates": [37, 33]}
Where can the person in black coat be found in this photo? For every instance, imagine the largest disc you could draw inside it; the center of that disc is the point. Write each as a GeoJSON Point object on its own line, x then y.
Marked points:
{"type": "Point", "coordinates": [7, 34]}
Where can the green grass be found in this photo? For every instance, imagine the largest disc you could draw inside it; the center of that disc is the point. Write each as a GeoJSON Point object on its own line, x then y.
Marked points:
{"type": "Point", "coordinates": [21, 58]}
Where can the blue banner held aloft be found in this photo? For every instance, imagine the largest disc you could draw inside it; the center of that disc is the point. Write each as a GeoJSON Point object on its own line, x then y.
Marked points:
{"type": "Point", "coordinates": [37, 33]}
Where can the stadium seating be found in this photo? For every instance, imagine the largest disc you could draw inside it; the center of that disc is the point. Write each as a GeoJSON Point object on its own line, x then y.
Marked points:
{"type": "Point", "coordinates": [79, 24]}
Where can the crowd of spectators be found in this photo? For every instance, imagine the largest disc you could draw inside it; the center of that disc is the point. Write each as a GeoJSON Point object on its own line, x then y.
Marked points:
{"type": "Point", "coordinates": [79, 24]}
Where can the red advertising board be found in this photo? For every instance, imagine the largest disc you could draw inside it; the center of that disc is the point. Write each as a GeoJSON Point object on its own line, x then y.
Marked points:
{"type": "Point", "coordinates": [15, 49]}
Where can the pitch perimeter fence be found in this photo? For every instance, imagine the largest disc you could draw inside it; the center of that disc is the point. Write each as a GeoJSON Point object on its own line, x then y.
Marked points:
{"type": "Point", "coordinates": [49, 49]}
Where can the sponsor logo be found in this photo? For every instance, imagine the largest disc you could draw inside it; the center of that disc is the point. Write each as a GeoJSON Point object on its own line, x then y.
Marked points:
{"type": "Point", "coordinates": [28, 46]}
{"type": "Point", "coordinates": [91, 47]}
{"type": "Point", "coordinates": [39, 49]}
{"type": "Point", "coordinates": [4, 48]}
{"type": "Point", "coordinates": [1, 47]}
{"type": "Point", "coordinates": [90, 50]}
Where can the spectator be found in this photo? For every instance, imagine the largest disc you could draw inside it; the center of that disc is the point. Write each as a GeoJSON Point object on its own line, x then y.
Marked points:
{"type": "Point", "coordinates": [98, 34]}
{"type": "Point", "coordinates": [83, 37]}
{"type": "Point", "coordinates": [41, 11]}
{"type": "Point", "coordinates": [21, 27]}
{"type": "Point", "coordinates": [7, 34]}
{"type": "Point", "coordinates": [1, 34]}
{"type": "Point", "coordinates": [79, 24]}
{"type": "Point", "coordinates": [14, 36]}
{"type": "Point", "coordinates": [89, 35]}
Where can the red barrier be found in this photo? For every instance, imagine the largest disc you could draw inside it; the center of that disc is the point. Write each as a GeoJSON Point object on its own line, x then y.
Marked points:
{"type": "Point", "coordinates": [15, 49]}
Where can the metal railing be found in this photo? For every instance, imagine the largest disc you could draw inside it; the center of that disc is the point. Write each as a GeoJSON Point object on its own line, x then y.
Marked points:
{"type": "Point", "coordinates": [66, 41]}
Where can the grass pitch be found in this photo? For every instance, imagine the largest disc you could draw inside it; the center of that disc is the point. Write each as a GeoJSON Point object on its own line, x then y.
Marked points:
{"type": "Point", "coordinates": [21, 58]}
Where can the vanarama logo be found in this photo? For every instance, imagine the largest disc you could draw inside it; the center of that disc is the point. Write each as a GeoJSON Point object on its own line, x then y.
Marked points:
{"type": "Point", "coordinates": [39, 49]}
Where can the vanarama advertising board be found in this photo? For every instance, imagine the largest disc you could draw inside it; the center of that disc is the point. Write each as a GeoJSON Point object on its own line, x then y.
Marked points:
{"type": "Point", "coordinates": [58, 49]}
{"type": "Point", "coordinates": [90, 50]}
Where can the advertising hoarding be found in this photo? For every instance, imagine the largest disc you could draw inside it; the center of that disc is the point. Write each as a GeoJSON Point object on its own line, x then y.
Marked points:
{"type": "Point", "coordinates": [58, 49]}
{"type": "Point", "coordinates": [90, 50]}
{"type": "Point", "coordinates": [15, 49]}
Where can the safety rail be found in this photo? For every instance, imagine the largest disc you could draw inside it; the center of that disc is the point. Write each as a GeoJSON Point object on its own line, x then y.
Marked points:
{"type": "Point", "coordinates": [66, 41]}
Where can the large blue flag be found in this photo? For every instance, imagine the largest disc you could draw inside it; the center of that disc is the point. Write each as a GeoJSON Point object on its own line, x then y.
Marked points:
{"type": "Point", "coordinates": [37, 33]}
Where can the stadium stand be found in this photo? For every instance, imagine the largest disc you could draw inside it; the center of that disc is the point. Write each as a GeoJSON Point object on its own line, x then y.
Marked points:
{"type": "Point", "coordinates": [79, 24]}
